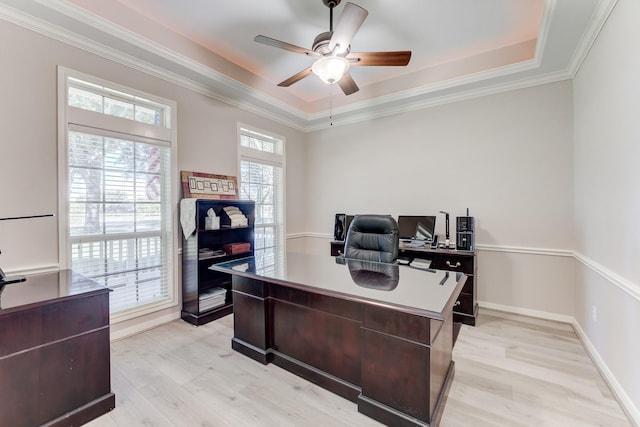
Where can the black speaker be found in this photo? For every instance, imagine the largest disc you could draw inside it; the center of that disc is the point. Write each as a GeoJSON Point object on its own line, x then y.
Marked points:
{"type": "Point", "coordinates": [464, 223]}
{"type": "Point", "coordinates": [339, 229]}
{"type": "Point", "coordinates": [341, 226]}
{"type": "Point", "coordinates": [465, 229]}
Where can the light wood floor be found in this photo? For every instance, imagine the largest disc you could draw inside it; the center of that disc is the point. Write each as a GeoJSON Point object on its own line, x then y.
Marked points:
{"type": "Point", "coordinates": [510, 371]}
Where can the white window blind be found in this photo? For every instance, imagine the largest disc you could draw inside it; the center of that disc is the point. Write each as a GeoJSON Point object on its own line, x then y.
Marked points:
{"type": "Point", "coordinates": [118, 218]}
{"type": "Point", "coordinates": [262, 180]}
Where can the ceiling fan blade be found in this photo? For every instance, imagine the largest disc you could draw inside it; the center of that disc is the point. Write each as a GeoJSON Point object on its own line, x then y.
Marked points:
{"type": "Point", "coordinates": [286, 46]}
{"type": "Point", "coordinates": [296, 78]}
{"type": "Point", "coordinates": [398, 58]}
{"type": "Point", "coordinates": [347, 84]}
{"type": "Point", "coordinates": [350, 21]}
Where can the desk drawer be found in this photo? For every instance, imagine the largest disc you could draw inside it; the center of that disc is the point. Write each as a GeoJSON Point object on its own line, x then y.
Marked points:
{"type": "Point", "coordinates": [337, 248]}
{"type": "Point", "coordinates": [453, 263]}
{"type": "Point", "coordinates": [468, 286]}
{"type": "Point", "coordinates": [464, 304]}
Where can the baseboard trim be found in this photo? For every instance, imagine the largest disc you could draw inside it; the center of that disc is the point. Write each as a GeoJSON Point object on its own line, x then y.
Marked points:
{"type": "Point", "coordinates": [627, 405]}
{"type": "Point", "coordinates": [142, 327]}
{"type": "Point", "coordinates": [528, 312]}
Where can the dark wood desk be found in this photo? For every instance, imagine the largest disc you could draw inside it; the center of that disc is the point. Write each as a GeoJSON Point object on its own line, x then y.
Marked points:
{"type": "Point", "coordinates": [54, 351]}
{"type": "Point", "coordinates": [377, 334]}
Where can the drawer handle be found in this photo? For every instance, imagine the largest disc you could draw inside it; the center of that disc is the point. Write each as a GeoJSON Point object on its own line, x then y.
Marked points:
{"type": "Point", "coordinates": [457, 264]}
{"type": "Point", "coordinates": [457, 303]}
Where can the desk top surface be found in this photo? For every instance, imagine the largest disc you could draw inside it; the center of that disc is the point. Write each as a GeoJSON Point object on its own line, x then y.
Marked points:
{"type": "Point", "coordinates": [415, 290]}
{"type": "Point", "coordinates": [43, 287]}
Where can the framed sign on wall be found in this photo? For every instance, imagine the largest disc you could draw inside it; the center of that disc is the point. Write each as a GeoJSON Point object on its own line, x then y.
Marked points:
{"type": "Point", "coordinates": [198, 185]}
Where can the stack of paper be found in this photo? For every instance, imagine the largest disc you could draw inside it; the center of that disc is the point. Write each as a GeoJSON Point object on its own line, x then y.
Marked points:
{"type": "Point", "coordinates": [421, 263]}
{"type": "Point", "coordinates": [212, 298]}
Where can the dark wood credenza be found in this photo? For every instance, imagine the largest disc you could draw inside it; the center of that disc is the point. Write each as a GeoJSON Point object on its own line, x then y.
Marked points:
{"type": "Point", "coordinates": [380, 335]}
{"type": "Point", "coordinates": [54, 351]}
{"type": "Point", "coordinates": [466, 308]}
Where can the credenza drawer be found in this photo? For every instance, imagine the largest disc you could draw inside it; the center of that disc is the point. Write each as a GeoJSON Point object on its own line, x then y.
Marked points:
{"type": "Point", "coordinates": [468, 285]}
{"type": "Point", "coordinates": [464, 304]}
{"type": "Point", "coordinates": [453, 263]}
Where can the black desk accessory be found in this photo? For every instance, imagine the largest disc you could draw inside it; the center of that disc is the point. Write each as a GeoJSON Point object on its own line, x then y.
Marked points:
{"type": "Point", "coordinates": [339, 226]}
{"type": "Point", "coordinates": [446, 237]}
{"type": "Point", "coordinates": [465, 229]}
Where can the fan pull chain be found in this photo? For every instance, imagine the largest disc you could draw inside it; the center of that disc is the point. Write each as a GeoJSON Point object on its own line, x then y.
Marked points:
{"type": "Point", "coordinates": [330, 105]}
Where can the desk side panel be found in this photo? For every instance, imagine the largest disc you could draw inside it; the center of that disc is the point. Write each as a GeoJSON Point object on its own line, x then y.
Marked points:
{"type": "Point", "coordinates": [396, 367]}
{"type": "Point", "coordinates": [441, 360]}
{"type": "Point", "coordinates": [251, 321]}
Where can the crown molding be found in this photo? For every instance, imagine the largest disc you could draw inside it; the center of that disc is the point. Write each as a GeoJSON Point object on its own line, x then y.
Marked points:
{"type": "Point", "coordinates": [192, 75]}
{"type": "Point", "coordinates": [596, 23]}
{"type": "Point", "coordinates": [210, 83]}
{"type": "Point", "coordinates": [545, 26]}
{"type": "Point", "coordinates": [404, 105]}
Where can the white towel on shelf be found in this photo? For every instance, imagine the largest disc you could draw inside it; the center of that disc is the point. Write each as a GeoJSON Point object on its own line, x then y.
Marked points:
{"type": "Point", "coordinates": [188, 216]}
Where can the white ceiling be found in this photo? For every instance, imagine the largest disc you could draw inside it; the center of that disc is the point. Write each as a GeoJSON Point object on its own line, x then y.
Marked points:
{"type": "Point", "coordinates": [435, 31]}
{"type": "Point", "coordinates": [460, 48]}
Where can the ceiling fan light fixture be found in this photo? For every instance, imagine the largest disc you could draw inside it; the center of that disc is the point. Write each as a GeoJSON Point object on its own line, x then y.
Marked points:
{"type": "Point", "coordinates": [330, 69]}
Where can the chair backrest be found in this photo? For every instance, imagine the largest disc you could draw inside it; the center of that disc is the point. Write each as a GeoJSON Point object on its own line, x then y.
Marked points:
{"type": "Point", "coordinates": [372, 238]}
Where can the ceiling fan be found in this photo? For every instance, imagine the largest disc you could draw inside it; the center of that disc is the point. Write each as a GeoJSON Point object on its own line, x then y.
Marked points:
{"type": "Point", "coordinates": [333, 50]}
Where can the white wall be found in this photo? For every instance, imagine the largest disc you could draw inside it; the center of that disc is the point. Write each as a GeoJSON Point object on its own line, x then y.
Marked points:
{"type": "Point", "coordinates": [607, 198]}
{"type": "Point", "coordinates": [507, 157]}
{"type": "Point", "coordinates": [207, 142]}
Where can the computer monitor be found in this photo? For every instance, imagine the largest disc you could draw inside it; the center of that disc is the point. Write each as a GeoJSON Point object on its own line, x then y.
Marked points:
{"type": "Point", "coordinates": [416, 227]}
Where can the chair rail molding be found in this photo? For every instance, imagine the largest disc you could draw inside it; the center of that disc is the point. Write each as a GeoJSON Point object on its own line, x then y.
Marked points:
{"type": "Point", "coordinates": [626, 285]}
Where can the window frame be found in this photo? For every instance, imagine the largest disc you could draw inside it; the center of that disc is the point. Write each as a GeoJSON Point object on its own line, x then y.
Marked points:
{"type": "Point", "coordinates": [272, 159]}
{"type": "Point", "coordinates": [168, 132]}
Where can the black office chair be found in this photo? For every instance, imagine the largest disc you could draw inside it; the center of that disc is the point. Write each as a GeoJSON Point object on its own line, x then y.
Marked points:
{"type": "Point", "coordinates": [372, 238]}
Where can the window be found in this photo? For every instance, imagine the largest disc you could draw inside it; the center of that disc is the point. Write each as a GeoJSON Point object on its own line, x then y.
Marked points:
{"type": "Point", "coordinates": [116, 155]}
{"type": "Point", "coordinates": [262, 180]}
